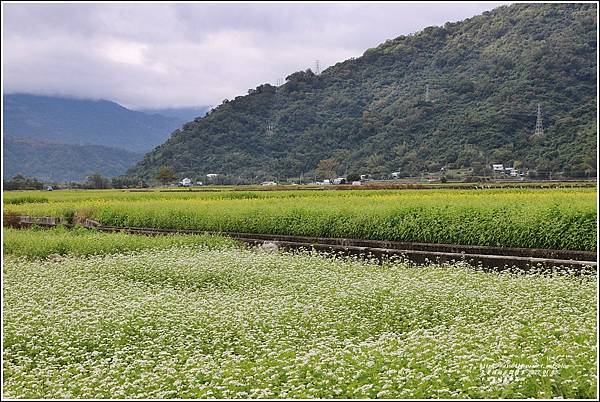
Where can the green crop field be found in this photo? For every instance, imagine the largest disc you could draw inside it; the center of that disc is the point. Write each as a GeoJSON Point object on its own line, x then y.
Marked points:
{"type": "Point", "coordinates": [42, 243]}
{"type": "Point", "coordinates": [539, 218]}
{"type": "Point", "coordinates": [227, 322]}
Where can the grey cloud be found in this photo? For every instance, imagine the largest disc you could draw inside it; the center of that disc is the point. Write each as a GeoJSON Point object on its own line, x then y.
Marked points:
{"type": "Point", "coordinates": [159, 55]}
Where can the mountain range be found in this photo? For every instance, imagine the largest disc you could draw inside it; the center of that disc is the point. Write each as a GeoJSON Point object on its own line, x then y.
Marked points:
{"type": "Point", "coordinates": [65, 139]}
{"type": "Point", "coordinates": [57, 162]}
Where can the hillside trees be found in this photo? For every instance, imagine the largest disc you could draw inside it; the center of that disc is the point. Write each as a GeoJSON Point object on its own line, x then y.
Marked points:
{"type": "Point", "coordinates": [485, 76]}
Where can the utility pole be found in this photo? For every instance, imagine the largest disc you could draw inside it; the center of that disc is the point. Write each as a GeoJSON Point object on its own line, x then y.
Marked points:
{"type": "Point", "coordinates": [539, 126]}
{"type": "Point", "coordinates": [485, 170]}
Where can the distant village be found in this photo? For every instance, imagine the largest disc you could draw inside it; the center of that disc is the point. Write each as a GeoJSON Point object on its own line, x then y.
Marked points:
{"type": "Point", "coordinates": [499, 171]}
{"type": "Point", "coordinates": [496, 172]}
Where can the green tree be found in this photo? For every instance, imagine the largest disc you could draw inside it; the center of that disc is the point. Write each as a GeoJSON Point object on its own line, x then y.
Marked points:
{"type": "Point", "coordinates": [353, 177]}
{"type": "Point", "coordinates": [165, 175]}
{"type": "Point", "coordinates": [327, 168]}
{"type": "Point", "coordinates": [375, 164]}
{"type": "Point", "coordinates": [97, 181]}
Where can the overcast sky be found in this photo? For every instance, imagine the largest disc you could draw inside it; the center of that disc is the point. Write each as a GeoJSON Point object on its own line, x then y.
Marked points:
{"type": "Point", "coordinates": [174, 55]}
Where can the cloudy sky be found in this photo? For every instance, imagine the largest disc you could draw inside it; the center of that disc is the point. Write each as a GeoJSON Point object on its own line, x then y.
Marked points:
{"type": "Point", "coordinates": [175, 55]}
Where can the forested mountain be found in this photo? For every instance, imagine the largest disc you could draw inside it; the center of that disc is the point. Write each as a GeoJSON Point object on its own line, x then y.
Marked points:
{"type": "Point", "coordinates": [65, 139]}
{"type": "Point", "coordinates": [82, 122]}
{"type": "Point", "coordinates": [55, 162]}
{"type": "Point", "coordinates": [461, 95]}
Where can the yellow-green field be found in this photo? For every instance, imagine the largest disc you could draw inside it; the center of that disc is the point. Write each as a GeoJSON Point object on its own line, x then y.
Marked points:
{"type": "Point", "coordinates": [537, 218]}
{"type": "Point", "coordinates": [43, 243]}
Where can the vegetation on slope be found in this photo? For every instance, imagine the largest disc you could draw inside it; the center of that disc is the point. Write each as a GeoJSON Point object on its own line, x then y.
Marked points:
{"type": "Point", "coordinates": [486, 76]}
{"type": "Point", "coordinates": [84, 121]}
{"type": "Point", "coordinates": [63, 162]}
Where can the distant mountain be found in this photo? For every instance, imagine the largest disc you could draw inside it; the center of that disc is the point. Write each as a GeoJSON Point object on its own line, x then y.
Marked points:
{"type": "Point", "coordinates": [84, 122]}
{"type": "Point", "coordinates": [183, 114]}
{"type": "Point", "coordinates": [55, 162]}
{"type": "Point", "coordinates": [463, 95]}
{"type": "Point", "coordinates": [58, 139]}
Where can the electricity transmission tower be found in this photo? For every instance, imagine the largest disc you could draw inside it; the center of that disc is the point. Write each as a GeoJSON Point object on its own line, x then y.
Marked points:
{"type": "Point", "coordinates": [317, 67]}
{"type": "Point", "coordinates": [270, 128]}
{"type": "Point", "coordinates": [427, 93]}
{"type": "Point", "coordinates": [539, 126]}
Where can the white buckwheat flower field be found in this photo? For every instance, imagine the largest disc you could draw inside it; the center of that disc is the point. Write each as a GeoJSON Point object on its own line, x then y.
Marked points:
{"type": "Point", "coordinates": [194, 322]}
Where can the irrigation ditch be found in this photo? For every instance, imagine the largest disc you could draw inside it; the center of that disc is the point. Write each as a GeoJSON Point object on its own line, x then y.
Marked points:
{"type": "Point", "coordinates": [496, 258]}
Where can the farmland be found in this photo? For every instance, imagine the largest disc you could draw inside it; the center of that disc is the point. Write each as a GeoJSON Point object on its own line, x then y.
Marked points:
{"type": "Point", "coordinates": [540, 218]}
{"type": "Point", "coordinates": [88, 314]}
{"type": "Point", "coordinates": [227, 322]}
{"type": "Point", "coordinates": [37, 244]}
